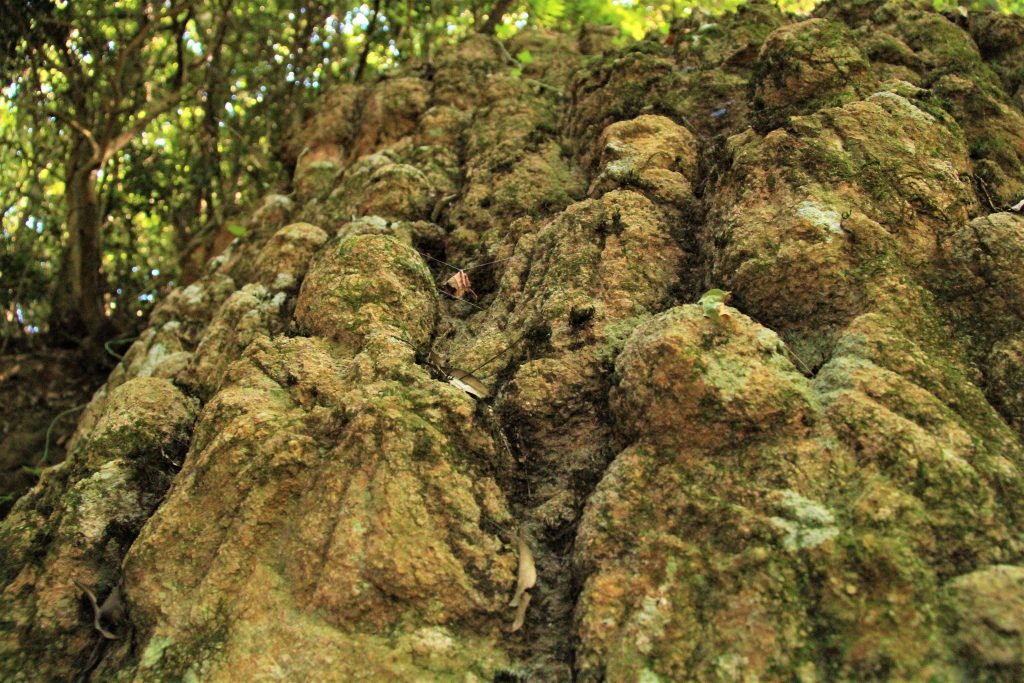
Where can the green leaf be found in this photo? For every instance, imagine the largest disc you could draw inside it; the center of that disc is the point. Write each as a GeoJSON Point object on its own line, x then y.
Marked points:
{"type": "Point", "coordinates": [236, 229]}
{"type": "Point", "coordinates": [713, 296]}
{"type": "Point", "coordinates": [525, 57]}
{"type": "Point", "coordinates": [712, 302]}
{"type": "Point", "coordinates": [548, 10]}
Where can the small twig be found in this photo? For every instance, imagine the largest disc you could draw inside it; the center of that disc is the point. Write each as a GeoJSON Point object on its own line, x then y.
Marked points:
{"type": "Point", "coordinates": [440, 205]}
{"type": "Point", "coordinates": [489, 263]}
{"type": "Point", "coordinates": [982, 184]}
{"type": "Point", "coordinates": [113, 353]}
{"type": "Point", "coordinates": [425, 255]}
{"type": "Point", "coordinates": [452, 296]}
{"type": "Point", "coordinates": [793, 357]}
{"type": "Point", "coordinates": [512, 61]}
{"type": "Point", "coordinates": [449, 265]}
{"type": "Point", "coordinates": [49, 430]}
{"type": "Point", "coordinates": [544, 86]}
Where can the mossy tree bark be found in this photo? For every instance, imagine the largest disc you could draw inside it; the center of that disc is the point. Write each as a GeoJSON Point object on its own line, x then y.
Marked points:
{"type": "Point", "coordinates": [821, 478]}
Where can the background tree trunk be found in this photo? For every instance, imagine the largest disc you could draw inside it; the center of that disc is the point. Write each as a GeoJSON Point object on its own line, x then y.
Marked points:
{"type": "Point", "coordinates": [495, 16]}
{"type": "Point", "coordinates": [77, 302]}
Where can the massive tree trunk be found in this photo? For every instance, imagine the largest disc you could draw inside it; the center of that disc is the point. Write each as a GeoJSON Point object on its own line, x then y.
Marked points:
{"type": "Point", "coordinates": [77, 302]}
{"type": "Point", "coordinates": [319, 462]}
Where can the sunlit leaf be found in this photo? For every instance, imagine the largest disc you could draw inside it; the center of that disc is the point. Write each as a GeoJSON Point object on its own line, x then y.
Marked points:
{"type": "Point", "coordinates": [714, 305]}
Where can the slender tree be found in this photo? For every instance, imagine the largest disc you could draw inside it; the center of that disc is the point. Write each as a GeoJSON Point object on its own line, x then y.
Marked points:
{"type": "Point", "coordinates": [500, 9]}
{"type": "Point", "coordinates": [99, 76]}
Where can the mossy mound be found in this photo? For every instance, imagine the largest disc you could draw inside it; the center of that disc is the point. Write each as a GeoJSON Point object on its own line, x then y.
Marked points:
{"type": "Point", "coordinates": [471, 345]}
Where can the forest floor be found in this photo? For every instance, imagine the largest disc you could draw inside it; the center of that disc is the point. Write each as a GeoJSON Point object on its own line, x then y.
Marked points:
{"type": "Point", "coordinates": [41, 392]}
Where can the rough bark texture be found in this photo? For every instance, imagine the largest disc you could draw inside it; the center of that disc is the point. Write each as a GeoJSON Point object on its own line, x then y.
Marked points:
{"type": "Point", "coordinates": [77, 298]}
{"type": "Point", "coordinates": [820, 481]}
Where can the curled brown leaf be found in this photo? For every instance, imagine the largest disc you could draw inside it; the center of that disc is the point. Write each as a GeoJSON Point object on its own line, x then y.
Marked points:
{"type": "Point", "coordinates": [460, 285]}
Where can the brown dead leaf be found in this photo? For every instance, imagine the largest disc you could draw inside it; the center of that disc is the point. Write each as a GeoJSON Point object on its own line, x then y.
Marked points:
{"type": "Point", "coordinates": [527, 571]}
{"type": "Point", "coordinates": [467, 382]}
{"type": "Point", "coordinates": [111, 610]}
{"type": "Point", "coordinates": [524, 602]}
{"type": "Point", "coordinates": [460, 285]}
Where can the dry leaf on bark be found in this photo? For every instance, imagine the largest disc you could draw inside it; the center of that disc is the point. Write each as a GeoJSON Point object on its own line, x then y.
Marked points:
{"type": "Point", "coordinates": [460, 285]}
{"type": "Point", "coordinates": [467, 382]}
{"type": "Point", "coordinates": [527, 571]}
{"type": "Point", "coordinates": [524, 602]}
{"type": "Point", "coordinates": [112, 610]}
{"type": "Point", "coordinates": [527, 580]}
